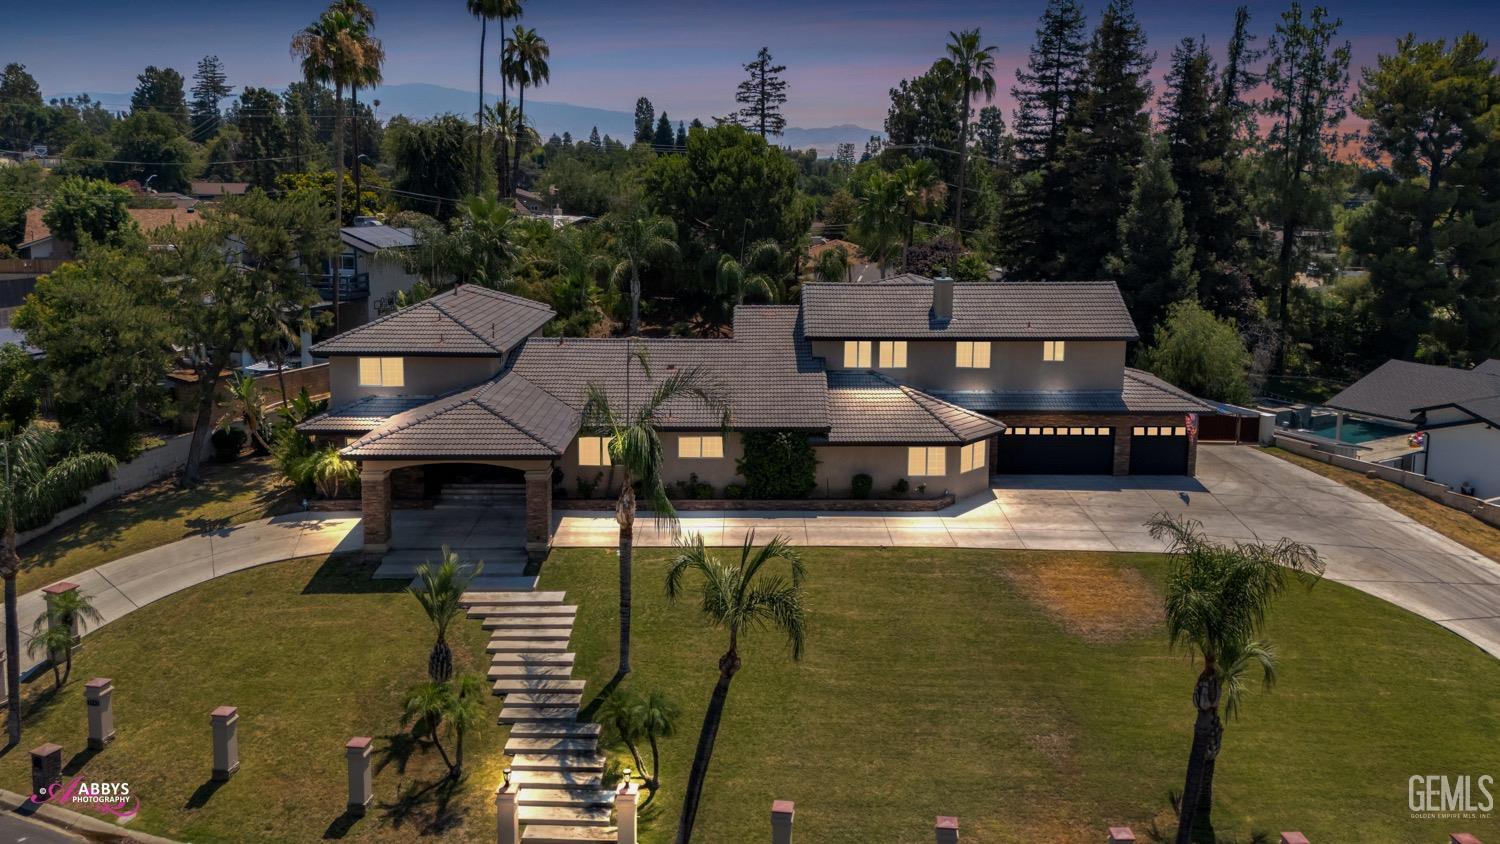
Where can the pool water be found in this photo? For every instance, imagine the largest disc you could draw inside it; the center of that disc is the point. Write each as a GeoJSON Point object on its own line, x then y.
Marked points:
{"type": "Point", "coordinates": [1355, 430]}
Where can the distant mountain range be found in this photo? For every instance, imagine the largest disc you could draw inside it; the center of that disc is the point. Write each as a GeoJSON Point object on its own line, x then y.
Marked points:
{"type": "Point", "coordinates": [420, 100]}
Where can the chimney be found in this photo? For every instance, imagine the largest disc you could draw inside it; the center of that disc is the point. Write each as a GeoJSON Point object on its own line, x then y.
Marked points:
{"type": "Point", "coordinates": [942, 298]}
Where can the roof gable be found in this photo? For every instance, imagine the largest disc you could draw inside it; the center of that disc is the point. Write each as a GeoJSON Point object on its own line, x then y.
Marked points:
{"type": "Point", "coordinates": [1398, 389]}
{"type": "Point", "coordinates": [467, 321]}
{"type": "Point", "coordinates": [504, 417]}
{"type": "Point", "coordinates": [869, 408]}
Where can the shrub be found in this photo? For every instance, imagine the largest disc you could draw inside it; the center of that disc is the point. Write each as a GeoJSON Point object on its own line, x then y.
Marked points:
{"type": "Point", "coordinates": [291, 449]}
{"type": "Point", "coordinates": [331, 474]}
{"type": "Point", "coordinates": [20, 388]}
{"type": "Point", "coordinates": [692, 488]}
{"type": "Point", "coordinates": [900, 487]}
{"type": "Point", "coordinates": [734, 492]}
{"type": "Point", "coordinates": [586, 486]}
{"type": "Point", "coordinates": [778, 464]}
{"type": "Point", "coordinates": [228, 443]}
{"type": "Point", "coordinates": [861, 485]}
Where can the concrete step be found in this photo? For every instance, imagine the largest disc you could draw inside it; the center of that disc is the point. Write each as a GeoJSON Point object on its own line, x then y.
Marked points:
{"type": "Point", "coordinates": [564, 816]}
{"type": "Point", "coordinates": [558, 779]}
{"type": "Point", "coordinates": [532, 659]}
{"type": "Point", "coordinates": [553, 611]}
{"type": "Point", "coordinates": [474, 598]}
{"type": "Point", "coordinates": [555, 729]}
{"type": "Point", "coordinates": [558, 762]}
{"type": "Point", "coordinates": [521, 622]}
{"type": "Point", "coordinates": [515, 646]}
{"type": "Point", "coordinates": [518, 714]}
{"type": "Point", "coordinates": [565, 796]}
{"type": "Point", "coordinates": [538, 685]}
{"type": "Point", "coordinates": [543, 699]}
{"type": "Point", "coordinates": [485, 582]}
{"type": "Point", "coordinates": [534, 673]}
{"type": "Point", "coordinates": [543, 834]}
{"type": "Point", "coordinates": [545, 746]}
{"type": "Point", "coordinates": [537, 634]}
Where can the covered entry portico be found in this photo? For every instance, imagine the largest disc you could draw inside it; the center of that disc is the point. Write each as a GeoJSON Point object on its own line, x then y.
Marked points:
{"type": "Point", "coordinates": [383, 482]}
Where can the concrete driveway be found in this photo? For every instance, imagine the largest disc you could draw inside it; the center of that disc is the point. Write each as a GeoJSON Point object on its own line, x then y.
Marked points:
{"type": "Point", "coordinates": [1239, 493]}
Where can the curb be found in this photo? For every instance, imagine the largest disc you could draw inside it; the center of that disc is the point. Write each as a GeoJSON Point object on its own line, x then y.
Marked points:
{"type": "Point", "coordinates": [66, 819]}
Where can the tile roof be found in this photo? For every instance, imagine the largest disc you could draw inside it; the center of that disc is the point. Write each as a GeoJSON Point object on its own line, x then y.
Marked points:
{"type": "Point", "coordinates": [1489, 367]}
{"type": "Point", "coordinates": [148, 219]}
{"type": "Point", "coordinates": [1141, 392]}
{"type": "Point", "coordinates": [208, 188]}
{"type": "Point", "coordinates": [1483, 409]}
{"type": "Point", "coordinates": [1397, 388]}
{"type": "Point", "coordinates": [767, 370]}
{"type": "Point", "coordinates": [865, 407]}
{"type": "Point", "coordinates": [901, 307]}
{"type": "Point", "coordinates": [362, 415]}
{"type": "Point", "coordinates": [504, 417]}
{"type": "Point", "coordinates": [465, 321]}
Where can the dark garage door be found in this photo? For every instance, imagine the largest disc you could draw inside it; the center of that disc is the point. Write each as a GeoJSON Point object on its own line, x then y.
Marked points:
{"type": "Point", "coordinates": [1158, 450]}
{"type": "Point", "coordinates": [1032, 450]}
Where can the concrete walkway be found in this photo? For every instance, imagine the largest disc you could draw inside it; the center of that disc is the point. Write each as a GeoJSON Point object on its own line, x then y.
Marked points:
{"type": "Point", "coordinates": [129, 583]}
{"type": "Point", "coordinates": [1239, 493]}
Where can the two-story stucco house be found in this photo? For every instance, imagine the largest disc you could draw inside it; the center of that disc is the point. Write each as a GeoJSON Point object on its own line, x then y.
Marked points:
{"type": "Point", "coordinates": [936, 383]}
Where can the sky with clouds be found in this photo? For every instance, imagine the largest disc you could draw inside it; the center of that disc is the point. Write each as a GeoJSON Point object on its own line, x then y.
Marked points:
{"type": "Point", "coordinates": [841, 56]}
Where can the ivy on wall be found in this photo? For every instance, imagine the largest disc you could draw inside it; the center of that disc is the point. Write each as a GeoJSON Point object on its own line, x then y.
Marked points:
{"type": "Point", "coordinates": [778, 464]}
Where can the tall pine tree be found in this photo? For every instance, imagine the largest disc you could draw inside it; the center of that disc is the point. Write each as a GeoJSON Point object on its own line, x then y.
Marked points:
{"type": "Point", "coordinates": [1047, 88]}
{"type": "Point", "coordinates": [210, 87]}
{"type": "Point", "coordinates": [1154, 263]}
{"type": "Point", "coordinates": [762, 95]}
{"type": "Point", "coordinates": [645, 119]}
{"type": "Point", "coordinates": [1106, 141]}
{"type": "Point", "coordinates": [662, 140]}
{"type": "Point", "coordinates": [159, 89]}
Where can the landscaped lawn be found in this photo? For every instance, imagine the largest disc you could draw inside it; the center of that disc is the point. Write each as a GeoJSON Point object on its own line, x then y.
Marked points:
{"type": "Point", "coordinates": [1457, 526]}
{"type": "Point", "coordinates": [1033, 696]}
{"type": "Point", "coordinates": [312, 652]}
{"type": "Point", "coordinates": [230, 494]}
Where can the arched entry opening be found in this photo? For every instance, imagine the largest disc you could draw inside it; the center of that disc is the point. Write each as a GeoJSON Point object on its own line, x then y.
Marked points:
{"type": "Point", "coordinates": [458, 482]}
{"type": "Point", "coordinates": [494, 510]}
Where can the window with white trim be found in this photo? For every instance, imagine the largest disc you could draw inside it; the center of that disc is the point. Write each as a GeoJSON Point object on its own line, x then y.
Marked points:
{"type": "Point", "coordinates": [382, 372]}
{"type": "Point", "coordinates": [926, 461]}
{"type": "Point", "coordinates": [593, 451]}
{"type": "Point", "coordinates": [972, 354]}
{"type": "Point", "coordinates": [695, 447]}
{"type": "Point", "coordinates": [857, 354]}
{"type": "Point", "coordinates": [971, 457]}
{"type": "Point", "coordinates": [892, 354]}
{"type": "Point", "coordinates": [1054, 350]}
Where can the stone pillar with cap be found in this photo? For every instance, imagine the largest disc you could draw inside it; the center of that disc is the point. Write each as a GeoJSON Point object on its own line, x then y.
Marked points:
{"type": "Point", "coordinates": [225, 720]}
{"type": "Point", "coordinates": [508, 811]}
{"type": "Point", "coordinates": [46, 769]}
{"type": "Point", "coordinates": [1293, 838]}
{"type": "Point", "coordinates": [1121, 835]}
{"type": "Point", "coordinates": [98, 695]}
{"type": "Point", "coordinates": [781, 821]}
{"type": "Point", "coordinates": [361, 789]}
{"type": "Point", "coordinates": [626, 798]}
{"type": "Point", "coordinates": [1464, 838]}
{"type": "Point", "coordinates": [945, 831]}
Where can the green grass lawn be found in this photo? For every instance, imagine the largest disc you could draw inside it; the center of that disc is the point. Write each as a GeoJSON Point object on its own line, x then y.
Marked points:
{"type": "Point", "coordinates": [312, 652]}
{"type": "Point", "coordinates": [230, 494]}
{"type": "Point", "coordinates": [1033, 696]}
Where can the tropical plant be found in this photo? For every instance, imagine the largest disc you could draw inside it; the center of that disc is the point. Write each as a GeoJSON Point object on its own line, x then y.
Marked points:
{"type": "Point", "coordinates": [832, 265]}
{"type": "Point", "coordinates": [426, 705]}
{"type": "Point", "coordinates": [635, 449]}
{"type": "Point", "coordinates": [1217, 598]}
{"type": "Point", "coordinates": [328, 48]}
{"type": "Point", "coordinates": [330, 473]}
{"type": "Point", "coordinates": [464, 711]}
{"type": "Point", "coordinates": [973, 67]}
{"type": "Point", "coordinates": [918, 190]}
{"type": "Point", "coordinates": [486, 11]}
{"type": "Point", "coordinates": [479, 246]}
{"type": "Point", "coordinates": [244, 402]}
{"type": "Point", "coordinates": [34, 480]}
{"type": "Point", "coordinates": [364, 70]}
{"type": "Point", "coordinates": [57, 638]}
{"type": "Point", "coordinates": [633, 719]}
{"type": "Point", "coordinates": [736, 597]}
{"type": "Point", "coordinates": [879, 222]}
{"type": "Point", "coordinates": [525, 63]}
{"type": "Point", "coordinates": [440, 593]}
{"type": "Point", "coordinates": [636, 241]}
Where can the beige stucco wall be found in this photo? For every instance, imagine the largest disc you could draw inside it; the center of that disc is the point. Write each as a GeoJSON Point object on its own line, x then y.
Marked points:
{"type": "Point", "coordinates": [387, 276]}
{"type": "Point", "coordinates": [718, 472]}
{"type": "Point", "coordinates": [424, 376]}
{"type": "Point", "coordinates": [837, 466]}
{"type": "Point", "coordinates": [1014, 365]}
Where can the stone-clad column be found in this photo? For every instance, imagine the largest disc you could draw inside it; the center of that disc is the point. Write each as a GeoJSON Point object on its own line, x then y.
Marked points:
{"type": "Point", "coordinates": [945, 831]}
{"type": "Point", "coordinates": [98, 694]}
{"type": "Point", "coordinates": [361, 792]}
{"type": "Point", "coordinates": [538, 512]}
{"type": "Point", "coordinates": [225, 720]}
{"type": "Point", "coordinates": [1122, 447]}
{"type": "Point", "coordinates": [507, 812]}
{"type": "Point", "coordinates": [375, 499]}
{"type": "Point", "coordinates": [782, 813]}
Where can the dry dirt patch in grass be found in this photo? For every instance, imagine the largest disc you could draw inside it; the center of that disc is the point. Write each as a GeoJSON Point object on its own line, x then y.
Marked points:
{"type": "Point", "coordinates": [1091, 599]}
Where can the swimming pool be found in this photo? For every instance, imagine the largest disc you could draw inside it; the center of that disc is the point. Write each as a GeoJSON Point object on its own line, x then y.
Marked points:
{"type": "Point", "coordinates": [1355, 430]}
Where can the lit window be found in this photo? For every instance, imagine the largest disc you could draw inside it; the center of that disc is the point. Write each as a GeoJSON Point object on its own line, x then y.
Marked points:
{"type": "Point", "coordinates": [696, 447]}
{"type": "Point", "coordinates": [973, 354]}
{"type": "Point", "coordinates": [1052, 350]}
{"type": "Point", "coordinates": [593, 451]}
{"type": "Point", "coordinates": [381, 372]}
{"type": "Point", "coordinates": [1139, 431]}
{"type": "Point", "coordinates": [1048, 431]}
{"type": "Point", "coordinates": [922, 461]}
{"type": "Point", "coordinates": [1089, 432]}
{"type": "Point", "coordinates": [892, 354]}
{"type": "Point", "coordinates": [1179, 431]}
{"type": "Point", "coordinates": [1035, 432]}
{"type": "Point", "coordinates": [1075, 432]}
{"type": "Point", "coordinates": [856, 354]}
{"type": "Point", "coordinates": [971, 457]}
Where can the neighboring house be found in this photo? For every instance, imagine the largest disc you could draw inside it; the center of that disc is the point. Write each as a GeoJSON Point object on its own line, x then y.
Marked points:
{"type": "Point", "coordinates": [911, 379]}
{"type": "Point", "coordinates": [217, 190]}
{"type": "Point", "coordinates": [370, 270]}
{"type": "Point", "coordinates": [860, 267]}
{"type": "Point", "coordinates": [1458, 411]}
{"type": "Point", "coordinates": [39, 242]}
{"type": "Point", "coordinates": [534, 205]}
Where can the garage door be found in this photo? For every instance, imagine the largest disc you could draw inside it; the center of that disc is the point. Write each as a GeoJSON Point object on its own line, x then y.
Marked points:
{"type": "Point", "coordinates": [1055, 451]}
{"type": "Point", "coordinates": [1158, 450]}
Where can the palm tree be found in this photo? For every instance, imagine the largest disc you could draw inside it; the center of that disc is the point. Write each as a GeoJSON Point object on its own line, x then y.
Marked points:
{"type": "Point", "coordinates": [832, 265]}
{"type": "Point", "coordinates": [635, 449]}
{"type": "Point", "coordinates": [426, 705]}
{"type": "Point", "coordinates": [483, 241]}
{"type": "Point", "coordinates": [919, 190]}
{"type": "Point", "coordinates": [441, 595]}
{"type": "Point", "coordinates": [736, 597]}
{"type": "Point", "coordinates": [513, 10]}
{"type": "Point", "coordinates": [35, 483]}
{"type": "Point", "coordinates": [526, 64]}
{"type": "Point", "coordinates": [464, 711]}
{"type": "Point", "coordinates": [247, 404]}
{"type": "Point", "coordinates": [974, 68]}
{"type": "Point", "coordinates": [621, 714]}
{"type": "Point", "coordinates": [879, 219]}
{"type": "Point", "coordinates": [1216, 604]}
{"type": "Point", "coordinates": [486, 11]}
{"type": "Point", "coordinates": [657, 716]}
{"type": "Point", "coordinates": [364, 70]}
{"type": "Point", "coordinates": [639, 240]}
{"type": "Point", "coordinates": [328, 49]}
{"type": "Point", "coordinates": [70, 610]}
